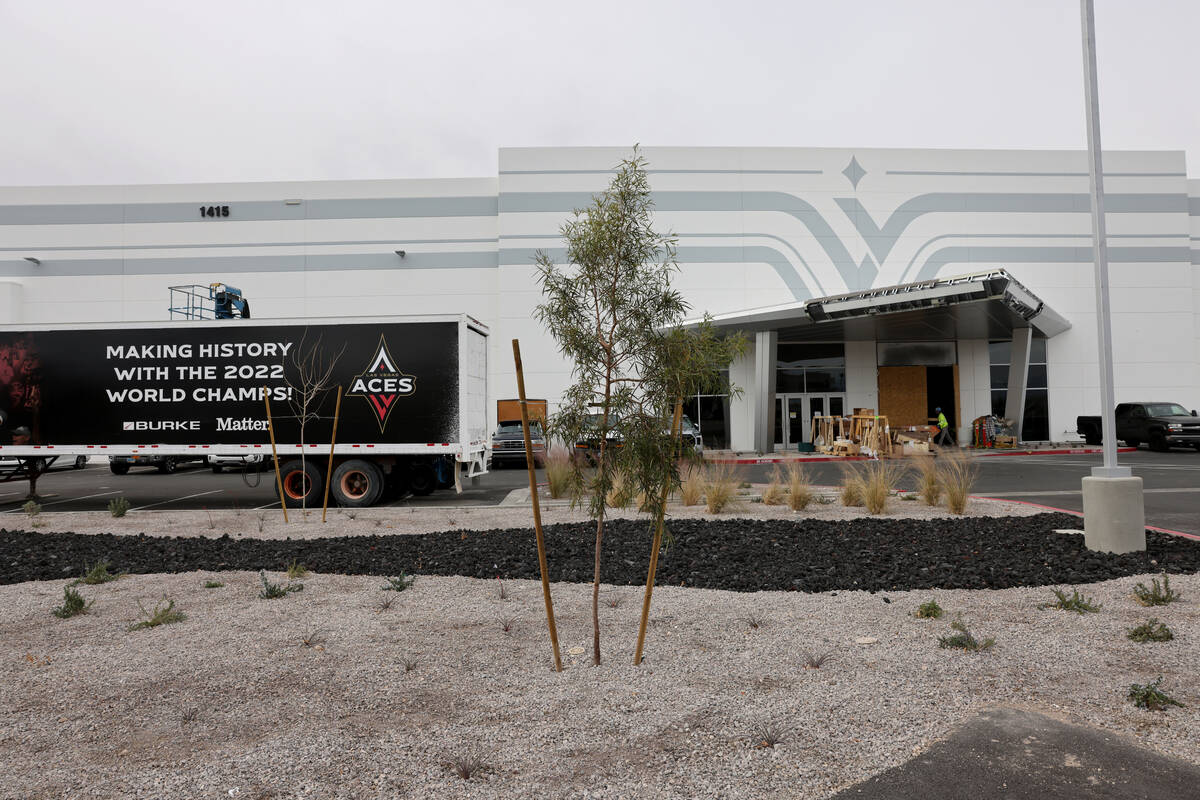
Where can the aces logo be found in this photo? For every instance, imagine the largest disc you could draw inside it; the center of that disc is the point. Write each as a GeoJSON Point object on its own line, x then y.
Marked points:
{"type": "Point", "coordinates": [381, 384]}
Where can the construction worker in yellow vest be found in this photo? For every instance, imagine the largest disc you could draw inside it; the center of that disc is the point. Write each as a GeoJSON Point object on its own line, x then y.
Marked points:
{"type": "Point", "coordinates": [943, 436]}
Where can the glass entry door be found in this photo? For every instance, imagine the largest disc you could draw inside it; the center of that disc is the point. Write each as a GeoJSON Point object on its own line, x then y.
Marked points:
{"type": "Point", "coordinates": [794, 414]}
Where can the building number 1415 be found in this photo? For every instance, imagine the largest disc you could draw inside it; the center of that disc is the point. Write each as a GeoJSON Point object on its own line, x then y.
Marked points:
{"type": "Point", "coordinates": [214, 211]}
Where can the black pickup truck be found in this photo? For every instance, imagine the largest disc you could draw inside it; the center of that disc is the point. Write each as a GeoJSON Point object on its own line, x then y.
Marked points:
{"type": "Point", "coordinates": [1161, 425]}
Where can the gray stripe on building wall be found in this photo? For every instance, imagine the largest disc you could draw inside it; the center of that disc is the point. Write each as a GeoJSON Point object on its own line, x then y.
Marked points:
{"type": "Point", "coordinates": [977, 174]}
{"type": "Point", "coordinates": [666, 172]}
{"type": "Point", "coordinates": [248, 210]}
{"type": "Point", "coordinates": [688, 254]}
{"type": "Point", "coordinates": [1003, 256]}
{"type": "Point", "coordinates": [1083, 236]}
{"type": "Point", "coordinates": [248, 264]}
{"type": "Point", "coordinates": [1194, 206]}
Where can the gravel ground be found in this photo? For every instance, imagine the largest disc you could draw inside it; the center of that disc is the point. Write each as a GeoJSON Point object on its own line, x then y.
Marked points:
{"type": "Point", "coordinates": [88, 709]}
{"type": "Point", "coordinates": [268, 523]}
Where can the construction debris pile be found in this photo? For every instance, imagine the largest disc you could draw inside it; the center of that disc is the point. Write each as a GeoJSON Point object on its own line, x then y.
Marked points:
{"type": "Point", "coordinates": [866, 433]}
{"type": "Point", "coordinates": [992, 431]}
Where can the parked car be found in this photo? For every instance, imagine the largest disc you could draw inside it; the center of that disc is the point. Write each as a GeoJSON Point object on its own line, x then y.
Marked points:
{"type": "Point", "coordinates": [165, 464]}
{"type": "Point", "coordinates": [691, 436]}
{"type": "Point", "coordinates": [1161, 425]}
{"type": "Point", "coordinates": [508, 443]}
{"type": "Point", "coordinates": [254, 461]}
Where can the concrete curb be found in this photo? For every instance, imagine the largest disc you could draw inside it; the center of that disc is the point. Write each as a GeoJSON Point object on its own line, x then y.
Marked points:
{"type": "Point", "coordinates": [787, 459]}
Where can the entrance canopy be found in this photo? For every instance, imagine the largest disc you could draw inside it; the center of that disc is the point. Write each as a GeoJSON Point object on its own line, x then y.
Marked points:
{"type": "Point", "coordinates": [982, 305]}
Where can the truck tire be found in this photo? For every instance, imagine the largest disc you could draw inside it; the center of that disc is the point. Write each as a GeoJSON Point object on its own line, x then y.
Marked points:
{"type": "Point", "coordinates": [1132, 442]}
{"type": "Point", "coordinates": [421, 479]}
{"type": "Point", "coordinates": [302, 482]}
{"type": "Point", "coordinates": [166, 466]}
{"type": "Point", "coordinates": [118, 467]}
{"type": "Point", "coordinates": [1158, 443]}
{"type": "Point", "coordinates": [357, 483]}
{"type": "Point", "coordinates": [217, 469]}
{"type": "Point", "coordinates": [80, 462]}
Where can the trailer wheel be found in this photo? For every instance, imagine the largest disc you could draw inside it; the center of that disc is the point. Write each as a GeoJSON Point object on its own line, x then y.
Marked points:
{"type": "Point", "coordinates": [422, 479]}
{"type": "Point", "coordinates": [166, 466]}
{"type": "Point", "coordinates": [302, 483]}
{"type": "Point", "coordinates": [118, 467]}
{"type": "Point", "coordinates": [80, 462]}
{"type": "Point", "coordinates": [357, 483]}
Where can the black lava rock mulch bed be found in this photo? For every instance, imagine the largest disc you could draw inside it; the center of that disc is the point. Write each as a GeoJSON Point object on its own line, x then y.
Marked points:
{"type": "Point", "coordinates": [737, 554]}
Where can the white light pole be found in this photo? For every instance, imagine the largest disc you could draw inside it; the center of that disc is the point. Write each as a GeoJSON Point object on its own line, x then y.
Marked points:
{"type": "Point", "coordinates": [1113, 505]}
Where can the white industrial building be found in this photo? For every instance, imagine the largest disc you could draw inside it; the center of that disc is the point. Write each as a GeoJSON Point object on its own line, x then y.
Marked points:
{"type": "Point", "coordinates": [897, 280]}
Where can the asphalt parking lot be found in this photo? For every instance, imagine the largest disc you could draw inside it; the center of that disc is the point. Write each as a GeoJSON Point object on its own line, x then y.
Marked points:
{"type": "Point", "coordinates": [1172, 484]}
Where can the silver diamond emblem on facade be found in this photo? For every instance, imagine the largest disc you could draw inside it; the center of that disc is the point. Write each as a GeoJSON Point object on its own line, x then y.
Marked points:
{"type": "Point", "coordinates": [854, 172]}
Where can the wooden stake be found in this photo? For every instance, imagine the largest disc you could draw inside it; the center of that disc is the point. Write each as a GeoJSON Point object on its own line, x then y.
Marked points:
{"type": "Point", "coordinates": [658, 535]}
{"type": "Point", "coordinates": [274, 454]}
{"type": "Point", "coordinates": [537, 512]}
{"type": "Point", "coordinates": [337, 409]}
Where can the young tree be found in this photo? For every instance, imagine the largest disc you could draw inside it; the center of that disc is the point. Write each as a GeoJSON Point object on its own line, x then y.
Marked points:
{"type": "Point", "coordinates": [613, 313]}
{"type": "Point", "coordinates": [309, 376]}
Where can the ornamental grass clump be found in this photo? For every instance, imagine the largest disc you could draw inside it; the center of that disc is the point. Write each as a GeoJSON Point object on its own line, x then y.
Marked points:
{"type": "Point", "coordinates": [97, 573]}
{"type": "Point", "coordinates": [774, 494]}
{"type": "Point", "coordinates": [853, 486]}
{"type": "Point", "coordinates": [1152, 631]}
{"type": "Point", "coordinates": [721, 484]}
{"type": "Point", "coordinates": [118, 506]}
{"type": "Point", "coordinates": [620, 493]}
{"type": "Point", "coordinates": [957, 473]}
{"type": "Point", "coordinates": [1156, 594]}
{"type": "Point", "coordinates": [691, 485]}
{"type": "Point", "coordinates": [1150, 697]}
{"type": "Point", "coordinates": [799, 495]}
{"type": "Point", "coordinates": [879, 481]}
{"type": "Point", "coordinates": [558, 472]}
{"type": "Point", "coordinates": [929, 483]}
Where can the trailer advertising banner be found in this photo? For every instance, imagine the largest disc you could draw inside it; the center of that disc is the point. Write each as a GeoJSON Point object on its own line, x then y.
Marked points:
{"type": "Point", "coordinates": [206, 384]}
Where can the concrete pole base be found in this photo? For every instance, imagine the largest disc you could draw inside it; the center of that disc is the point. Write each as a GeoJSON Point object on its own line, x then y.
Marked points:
{"type": "Point", "coordinates": [1114, 515]}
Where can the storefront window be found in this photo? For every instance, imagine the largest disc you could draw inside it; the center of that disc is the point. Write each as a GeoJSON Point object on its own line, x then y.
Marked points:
{"type": "Point", "coordinates": [1037, 395]}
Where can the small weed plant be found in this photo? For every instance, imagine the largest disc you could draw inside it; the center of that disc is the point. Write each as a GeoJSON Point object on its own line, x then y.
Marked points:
{"type": "Point", "coordinates": [799, 494]}
{"type": "Point", "coordinates": [314, 638]}
{"type": "Point", "coordinates": [1150, 697]}
{"type": "Point", "coordinates": [1075, 602]}
{"type": "Point", "coordinates": [1152, 631]}
{"type": "Point", "coordinates": [963, 639]}
{"type": "Point", "coordinates": [929, 610]}
{"type": "Point", "coordinates": [558, 472]}
{"type": "Point", "coordinates": [398, 584]}
{"type": "Point", "coordinates": [409, 663]}
{"type": "Point", "coordinates": [466, 765]}
{"type": "Point", "coordinates": [118, 506]}
{"type": "Point", "coordinates": [73, 603]}
{"type": "Point", "coordinates": [296, 570]}
{"type": "Point", "coordinates": [164, 613]}
{"type": "Point", "coordinates": [32, 508]}
{"type": "Point", "coordinates": [213, 585]}
{"type": "Point", "coordinates": [721, 484]}
{"type": "Point", "coordinates": [189, 715]}
{"type": "Point", "coordinates": [767, 734]}
{"type": "Point", "coordinates": [815, 660]}
{"type": "Point", "coordinates": [1156, 594]}
{"type": "Point", "coordinates": [507, 622]}
{"type": "Point", "coordinates": [501, 589]}
{"type": "Point", "coordinates": [97, 573]}
{"type": "Point", "coordinates": [753, 620]}
{"type": "Point", "coordinates": [273, 591]}
{"type": "Point", "coordinates": [384, 604]}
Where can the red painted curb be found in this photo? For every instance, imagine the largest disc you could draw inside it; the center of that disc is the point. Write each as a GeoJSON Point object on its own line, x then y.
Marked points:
{"type": "Point", "coordinates": [1073, 451]}
{"type": "Point", "coordinates": [1080, 514]}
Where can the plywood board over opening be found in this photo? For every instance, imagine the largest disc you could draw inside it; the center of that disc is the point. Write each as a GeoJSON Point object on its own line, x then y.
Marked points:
{"type": "Point", "coordinates": [902, 396]}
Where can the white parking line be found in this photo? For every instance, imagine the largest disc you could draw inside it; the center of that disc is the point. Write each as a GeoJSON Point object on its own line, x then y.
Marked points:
{"type": "Point", "coordinates": [177, 499]}
{"type": "Point", "coordinates": [57, 502]}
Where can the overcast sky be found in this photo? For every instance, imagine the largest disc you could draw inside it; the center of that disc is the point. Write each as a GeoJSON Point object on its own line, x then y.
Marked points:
{"type": "Point", "coordinates": [172, 91]}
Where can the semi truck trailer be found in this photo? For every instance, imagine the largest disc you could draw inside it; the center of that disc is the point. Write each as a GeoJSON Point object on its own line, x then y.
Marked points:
{"type": "Point", "coordinates": [412, 415]}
